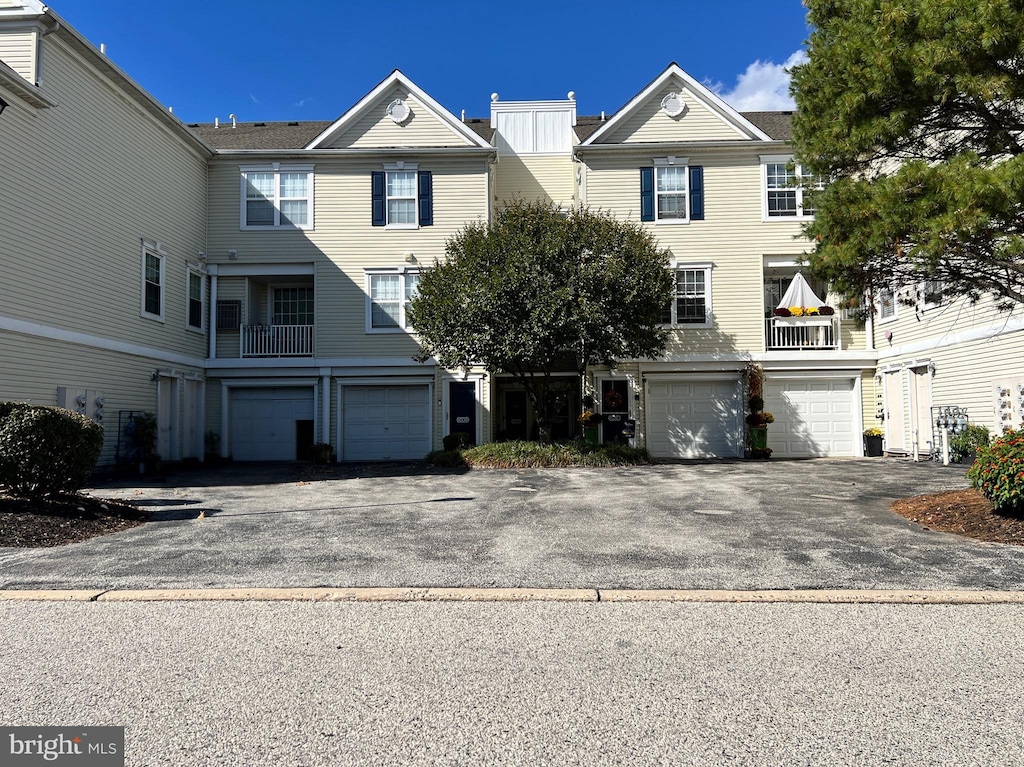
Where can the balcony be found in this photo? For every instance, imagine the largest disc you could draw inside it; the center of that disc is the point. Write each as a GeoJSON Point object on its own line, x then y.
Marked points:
{"type": "Point", "coordinates": [803, 333]}
{"type": "Point", "coordinates": [276, 340]}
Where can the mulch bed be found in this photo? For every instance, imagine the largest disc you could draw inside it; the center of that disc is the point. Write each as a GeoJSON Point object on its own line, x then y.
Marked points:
{"type": "Point", "coordinates": [964, 512]}
{"type": "Point", "coordinates": [55, 522]}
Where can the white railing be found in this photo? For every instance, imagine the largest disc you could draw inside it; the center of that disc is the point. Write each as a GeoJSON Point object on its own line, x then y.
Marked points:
{"type": "Point", "coordinates": [803, 333]}
{"type": "Point", "coordinates": [277, 340]}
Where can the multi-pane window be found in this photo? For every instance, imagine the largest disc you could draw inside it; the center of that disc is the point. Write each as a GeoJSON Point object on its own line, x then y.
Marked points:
{"type": "Point", "coordinates": [152, 284]}
{"type": "Point", "coordinates": [195, 300]}
{"type": "Point", "coordinates": [786, 189]}
{"type": "Point", "coordinates": [229, 314]}
{"type": "Point", "coordinates": [293, 306]}
{"type": "Point", "coordinates": [886, 304]}
{"type": "Point", "coordinates": [279, 197]}
{"type": "Point", "coordinates": [670, 192]}
{"type": "Point", "coordinates": [401, 197]}
{"type": "Point", "coordinates": [931, 292]}
{"type": "Point", "coordinates": [390, 295]}
{"type": "Point", "coordinates": [692, 302]}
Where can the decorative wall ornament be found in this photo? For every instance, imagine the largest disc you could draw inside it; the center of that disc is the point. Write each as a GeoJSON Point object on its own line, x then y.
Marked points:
{"type": "Point", "coordinates": [673, 105]}
{"type": "Point", "coordinates": [399, 111]}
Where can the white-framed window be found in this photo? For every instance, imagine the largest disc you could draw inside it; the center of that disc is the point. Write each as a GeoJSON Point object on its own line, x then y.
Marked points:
{"type": "Point", "coordinates": [886, 304]}
{"type": "Point", "coordinates": [400, 193]}
{"type": "Point", "coordinates": [785, 186]}
{"type": "Point", "coordinates": [671, 193]}
{"type": "Point", "coordinates": [153, 280]}
{"type": "Point", "coordinates": [195, 300]}
{"type": "Point", "coordinates": [388, 294]}
{"type": "Point", "coordinates": [691, 304]}
{"type": "Point", "coordinates": [292, 305]}
{"type": "Point", "coordinates": [277, 196]}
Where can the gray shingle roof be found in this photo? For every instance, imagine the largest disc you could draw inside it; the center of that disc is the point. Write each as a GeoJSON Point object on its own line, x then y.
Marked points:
{"type": "Point", "coordinates": [270, 135]}
{"type": "Point", "coordinates": [295, 135]}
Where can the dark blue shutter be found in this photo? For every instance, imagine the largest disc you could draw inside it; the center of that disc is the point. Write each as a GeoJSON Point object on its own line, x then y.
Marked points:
{"type": "Point", "coordinates": [426, 182]}
{"type": "Point", "coordinates": [696, 193]}
{"type": "Point", "coordinates": [647, 194]}
{"type": "Point", "coordinates": [379, 216]}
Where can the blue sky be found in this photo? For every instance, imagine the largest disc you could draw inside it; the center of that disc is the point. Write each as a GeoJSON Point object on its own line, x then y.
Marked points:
{"type": "Point", "coordinates": [312, 60]}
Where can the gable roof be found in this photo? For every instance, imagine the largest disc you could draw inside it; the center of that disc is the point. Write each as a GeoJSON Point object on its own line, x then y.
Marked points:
{"type": "Point", "coordinates": [714, 103]}
{"type": "Point", "coordinates": [396, 78]}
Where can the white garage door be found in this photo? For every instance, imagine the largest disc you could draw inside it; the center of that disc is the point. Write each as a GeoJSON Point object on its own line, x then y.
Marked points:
{"type": "Point", "coordinates": [386, 423]}
{"type": "Point", "coordinates": [812, 418]}
{"type": "Point", "coordinates": [263, 422]}
{"type": "Point", "coordinates": [694, 419]}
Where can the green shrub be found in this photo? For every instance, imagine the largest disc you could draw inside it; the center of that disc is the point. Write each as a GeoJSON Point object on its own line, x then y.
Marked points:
{"type": "Point", "coordinates": [457, 440]}
{"type": "Point", "coordinates": [998, 471]}
{"type": "Point", "coordinates": [519, 455]}
{"type": "Point", "coordinates": [968, 441]}
{"type": "Point", "coordinates": [46, 451]}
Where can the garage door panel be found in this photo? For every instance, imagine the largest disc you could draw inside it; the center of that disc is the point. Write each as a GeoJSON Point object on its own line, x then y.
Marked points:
{"type": "Point", "coordinates": [812, 418]}
{"type": "Point", "coordinates": [263, 421]}
{"type": "Point", "coordinates": [698, 419]}
{"type": "Point", "coordinates": [386, 422]}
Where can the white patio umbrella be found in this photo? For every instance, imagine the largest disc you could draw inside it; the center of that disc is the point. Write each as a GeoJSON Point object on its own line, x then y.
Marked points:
{"type": "Point", "coordinates": [799, 294]}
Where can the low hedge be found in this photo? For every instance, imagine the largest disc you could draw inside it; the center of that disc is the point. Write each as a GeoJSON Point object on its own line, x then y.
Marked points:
{"type": "Point", "coordinates": [46, 451]}
{"type": "Point", "coordinates": [524, 455]}
{"type": "Point", "coordinates": [998, 471]}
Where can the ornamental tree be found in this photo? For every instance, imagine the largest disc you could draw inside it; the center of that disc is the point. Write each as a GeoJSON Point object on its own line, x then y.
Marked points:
{"type": "Point", "coordinates": [540, 290]}
{"type": "Point", "coordinates": [915, 110]}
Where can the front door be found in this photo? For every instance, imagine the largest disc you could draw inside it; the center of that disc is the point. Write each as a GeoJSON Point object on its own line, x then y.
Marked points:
{"type": "Point", "coordinates": [614, 410]}
{"type": "Point", "coordinates": [920, 409]}
{"type": "Point", "coordinates": [894, 412]}
{"type": "Point", "coordinates": [462, 408]}
{"type": "Point", "coordinates": [516, 426]}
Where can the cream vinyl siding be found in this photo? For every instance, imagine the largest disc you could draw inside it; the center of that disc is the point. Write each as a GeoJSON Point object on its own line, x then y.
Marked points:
{"type": "Point", "coordinates": [375, 129]}
{"type": "Point", "coordinates": [966, 374]}
{"type": "Point", "coordinates": [871, 403]}
{"type": "Point", "coordinates": [732, 237]}
{"type": "Point", "coordinates": [551, 179]}
{"type": "Point", "coordinates": [345, 243]}
{"type": "Point", "coordinates": [18, 51]}
{"type": "Point", "coordinates": [41, 365]}
{"type": "Point", "coordinates": [951, 317]}
{"type": "Point", "coordinates": [650, 124]}
{"type": "Point", "coordinates": [84, 183]}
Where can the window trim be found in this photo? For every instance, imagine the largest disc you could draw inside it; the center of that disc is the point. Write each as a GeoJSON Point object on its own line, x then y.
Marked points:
{"type": "Point", "coordinates": [155, 249]}
{"type": "Point", "coordinates": [402, 167]}
{"type": "Point", "coordinates": [923, 293]}
{"type": "Point", "coordinates": [190, 271]}
{"type": "Point", "coordinates": [895, 306]}
{"type": "Point", "coordinates": [271, 299]}
{"type": "Point", "coordinates": [403, 324]}
{"type": "Point", "coordinates": [783, 159]}
{"type": "Point", "coordinates": [707, 268]}
{"type": "Point", "coordinates": [277, 169]}
{"type": "Point", "coordinates": [682, 163]}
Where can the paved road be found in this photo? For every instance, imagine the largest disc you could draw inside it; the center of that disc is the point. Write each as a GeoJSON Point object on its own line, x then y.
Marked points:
{"type": "Point", "coordinates": [524, 684]}
{"type": "Point", "coordinates": [739, 525]}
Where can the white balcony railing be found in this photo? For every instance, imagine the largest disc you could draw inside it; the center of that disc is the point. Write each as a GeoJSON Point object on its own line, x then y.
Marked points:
{"type": "Point", "coordinates": [809, 333]}
{"type": "Point", "coordinates": [277, 340]}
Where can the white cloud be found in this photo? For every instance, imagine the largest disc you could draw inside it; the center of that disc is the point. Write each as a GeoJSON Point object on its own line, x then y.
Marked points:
{"type": "Point", "coordinates": [764, 86]}
{"type": "Point", "coordinates": [254, 99]}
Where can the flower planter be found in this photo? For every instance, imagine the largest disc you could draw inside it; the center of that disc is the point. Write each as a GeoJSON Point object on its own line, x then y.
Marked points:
{"type": "Point", "coordinates": [590, 434]}
{"type": "Point", "coordinates": [758, 437]}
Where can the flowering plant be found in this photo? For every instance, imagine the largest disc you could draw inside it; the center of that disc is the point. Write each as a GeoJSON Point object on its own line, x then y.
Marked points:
{"type": "Point", "coordinates": [796, 311]}
{"type": "Point", "coordinates": [781, 312]}
{"type": "Point", "coordinates": [998, 472]}
{"type": "Point", "coordinates": [811, 311]}
{"type": "Point", "coordinates": [589, 418]}
{"type": "Point", "coordinates": [873, 431]}
{"type": "Point", "coordinates": [826, 311]}
{"type": "Point", "coordinates": [760, 418]}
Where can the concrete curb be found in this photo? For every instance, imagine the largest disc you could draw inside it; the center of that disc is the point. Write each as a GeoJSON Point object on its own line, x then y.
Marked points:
{"type": "Point", "coordinates": [804, 596]}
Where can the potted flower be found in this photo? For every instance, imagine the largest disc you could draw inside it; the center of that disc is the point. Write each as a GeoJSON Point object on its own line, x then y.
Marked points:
{"type": "Point", "coordinates": [758, 418]}
{"type": "Point", "coordinates": [873, 442]}
{"type": "Point", "coordinates": [589, 420]}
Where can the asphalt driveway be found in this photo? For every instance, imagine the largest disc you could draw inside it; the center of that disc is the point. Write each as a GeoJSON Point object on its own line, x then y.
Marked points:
{"type": "Point", "coordinates": [733, 525]}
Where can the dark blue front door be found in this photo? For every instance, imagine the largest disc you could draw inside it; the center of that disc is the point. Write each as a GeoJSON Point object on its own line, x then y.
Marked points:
{"type": "Point", "coordinates": [462, 408]}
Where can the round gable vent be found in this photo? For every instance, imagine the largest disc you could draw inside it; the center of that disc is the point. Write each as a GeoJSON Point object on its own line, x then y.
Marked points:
{"type": "Point", "coordinates": [673, 105]}
{"type": "Point", "coordinates": [399, 111]}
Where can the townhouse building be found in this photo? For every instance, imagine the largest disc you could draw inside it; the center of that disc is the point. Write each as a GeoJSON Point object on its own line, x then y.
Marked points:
{"type": "Point", "coordinates": [249, 281]}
